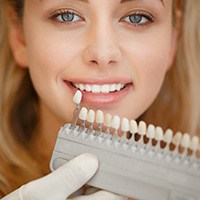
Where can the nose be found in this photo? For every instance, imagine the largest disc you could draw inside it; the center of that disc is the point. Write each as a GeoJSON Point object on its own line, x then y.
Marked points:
{"type": "Point", "coordinates": [102, 47]}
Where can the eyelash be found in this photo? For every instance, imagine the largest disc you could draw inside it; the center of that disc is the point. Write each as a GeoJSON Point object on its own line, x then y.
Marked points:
{"type": "Point", "coordinates": [143, 16]}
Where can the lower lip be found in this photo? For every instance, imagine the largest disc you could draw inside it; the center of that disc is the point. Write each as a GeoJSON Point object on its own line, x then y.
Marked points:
{"type": "Point", "coordinates": [101, 99]}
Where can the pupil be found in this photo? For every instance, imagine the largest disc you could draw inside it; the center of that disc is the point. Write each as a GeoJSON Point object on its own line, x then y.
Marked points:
{"type": "Point", "coordinates": [68, 17]}
{"type": "Point", "coordinates": [135, 18]}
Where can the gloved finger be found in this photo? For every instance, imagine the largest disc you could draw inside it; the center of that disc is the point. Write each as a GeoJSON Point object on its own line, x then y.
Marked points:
{"type": "Point", "coordinates": [90, 190]}
{"type": "Point", "coordinates": [101, 195]}
{"type": "Point", "coordinates": [64, 181]}
{"type": "Point", "coordinates": [13, 196]}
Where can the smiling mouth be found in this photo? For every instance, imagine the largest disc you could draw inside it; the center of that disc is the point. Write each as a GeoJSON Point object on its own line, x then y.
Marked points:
{"type": "Point", "coordinates": [104, 88]}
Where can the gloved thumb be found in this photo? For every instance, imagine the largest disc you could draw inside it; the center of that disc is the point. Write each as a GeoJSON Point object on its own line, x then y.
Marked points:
{"type": "Point", "coordinates": [64, 181]}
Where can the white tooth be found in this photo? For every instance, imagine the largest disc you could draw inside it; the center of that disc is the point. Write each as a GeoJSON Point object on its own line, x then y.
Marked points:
{"type": "Point", "coordinates": [176, 140]}
{"type": "Point", "coordinates": [194, 143]}
{"type": "Point", "coordinates": [115, 122]}
{"type": "Point", "coordinates": [91, 116]}
{"type": "Point", "coordinates": [168, 136]}
{"type": "Point", "coordinates": [142, 128]}
{"type": "Point", "coordinates": [75, 85]}
{"type": "Point", "coordinates": [108, 120]}
{"type": "Point", "coordinates": [113, 87]}
{"type": "Point", "coordinates": [77, 97]}
{"type": "Point", "coordinates": [133, 126]}
{"type": "Point", "coordinates": [88, 88]}
{"type": "Point", "coordinates": [96, 88]}
{"type": "Point", "coordinates": [159, 133]}
{"type": "Point", "coordinates": [123, 85]}
{"type": "Point", "coordinates": [125, 125]}
{"type": "Point", "coordinates": [99, 117]}
{"type": "Point", "coordinates": [81, 87]}
{"type": "Point", "coordinates": [83, 113]}
{"type": "Point", "coordinates": [105, 88]}
{"type": "Point", "coordinates": [185, 142]}
{"type": "Point", "coordinates": [118, 87]}
{"type": "Point", "coordinates": [151, 131]}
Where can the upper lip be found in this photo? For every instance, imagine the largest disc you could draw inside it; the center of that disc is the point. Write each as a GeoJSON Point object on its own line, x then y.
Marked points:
{"type": "Point", "coordinates": [100, 81]}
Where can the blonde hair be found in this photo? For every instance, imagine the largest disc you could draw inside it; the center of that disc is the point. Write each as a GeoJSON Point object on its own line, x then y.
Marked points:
{"type": "Point", "coordinates": [18, 119]}
{"type": "Point", "coordinates": [178, 100]}
{"type": "Point", "coordinates": [178, 103]}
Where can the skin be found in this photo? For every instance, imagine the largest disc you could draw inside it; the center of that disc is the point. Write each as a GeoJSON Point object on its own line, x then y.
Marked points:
{"type": "Point", "coordinates": [100, 46]}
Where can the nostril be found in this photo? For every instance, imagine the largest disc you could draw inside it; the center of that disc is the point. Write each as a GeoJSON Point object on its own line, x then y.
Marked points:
{"type": "Point", "coordinates": [94, 62]}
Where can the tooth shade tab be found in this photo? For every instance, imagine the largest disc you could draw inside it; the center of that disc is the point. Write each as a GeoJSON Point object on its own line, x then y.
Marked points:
{"type": "Point", "coordinates": [159, 133]}
{"type": "Point", "coordinates": [168, 136]}
{"type": "Point", "coordinates": [83, 113]}
{"type": "Point", "coordinates": [151, 131]}
{"type": "Point", "coordinates": [125, 125]}
{"type": "Point", "coordinates": [108, 120]}
{"type": "Point", "coordinates": [95, 88]}
{"type": "Point", "coordinates": [115, 122]}
{"type": "Point", "coordinates": [91, 116]}
{"type": "Point", "coordinates": [77, 97]}
{"type": "Point", "coordinates": [99, 117]}
{"type": "Point", "coordinates": [176, 140]}
{"type": "Point", "coordinates": [142, 128]}
{"type": "Point", "coordinates": [133, 126]}
{"type": "Point", "coordinates": [185, 142]}
{"type": "Point", "coordinates": [194, 143]}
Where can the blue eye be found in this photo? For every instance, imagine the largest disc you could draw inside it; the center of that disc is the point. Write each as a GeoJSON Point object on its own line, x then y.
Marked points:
{"type": "Point", "coordinates": [138, 19]}
{"type": "Point", "coordinates": [66, 17]}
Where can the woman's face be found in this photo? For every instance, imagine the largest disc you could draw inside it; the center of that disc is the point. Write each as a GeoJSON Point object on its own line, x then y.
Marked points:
{"type": "Point", "coordinates": [116, 51]}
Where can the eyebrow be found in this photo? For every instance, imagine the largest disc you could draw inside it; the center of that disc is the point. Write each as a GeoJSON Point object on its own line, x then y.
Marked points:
{"type": "Point", "coordinates": [85, 1]}
{"type": "Point", "coordinates": [124, 1]}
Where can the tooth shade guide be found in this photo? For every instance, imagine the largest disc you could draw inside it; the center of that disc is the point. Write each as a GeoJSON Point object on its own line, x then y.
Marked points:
{"type": "Point", "coordinates": [178, 143]}
{"type": "Point", "coordinates": [183, 181]}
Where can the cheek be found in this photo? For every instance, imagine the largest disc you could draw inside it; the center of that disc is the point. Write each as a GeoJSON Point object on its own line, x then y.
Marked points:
{"type": "Point", "coordinates": [151, 56]}
{"type": "Point", "coordinates": [149, 64]}
{"type": "Point", "coordinates": [153, 68]}
{"type": "Point", "coordinates": [47, 62]}
{"type": "Point", "coordinates": [50, 56]}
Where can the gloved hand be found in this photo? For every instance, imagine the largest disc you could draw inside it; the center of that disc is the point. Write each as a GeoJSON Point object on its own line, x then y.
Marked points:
{"type": "Point", "coordinates": [60, 184]}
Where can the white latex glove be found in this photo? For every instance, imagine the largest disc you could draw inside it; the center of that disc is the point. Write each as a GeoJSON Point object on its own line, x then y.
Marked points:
{"type": "Point", "coordinates": [60, 184]}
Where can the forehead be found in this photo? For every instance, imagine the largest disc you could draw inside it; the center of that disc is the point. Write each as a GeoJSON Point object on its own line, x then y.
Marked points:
{"type": "Point", "coordinates": [121, 1]}
{"type": "Point", "coordinates": [45, 4]}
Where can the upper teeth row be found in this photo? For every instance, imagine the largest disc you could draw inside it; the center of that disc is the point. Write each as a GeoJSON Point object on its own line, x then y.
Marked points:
{"type": "Point", "coordinates": [106, 88]}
